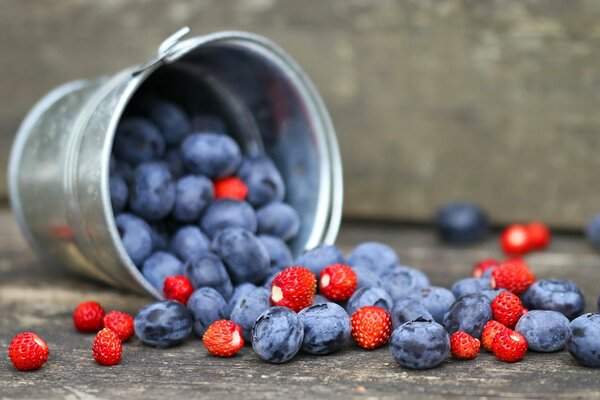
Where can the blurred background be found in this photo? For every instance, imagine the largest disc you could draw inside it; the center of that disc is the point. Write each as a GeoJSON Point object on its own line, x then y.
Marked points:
{"type": "Point", "coordinates": [497, 102]}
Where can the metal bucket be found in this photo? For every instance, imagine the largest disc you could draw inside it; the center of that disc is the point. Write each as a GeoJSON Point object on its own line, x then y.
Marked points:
{"type": "Point", "coordinates": [59, 165]}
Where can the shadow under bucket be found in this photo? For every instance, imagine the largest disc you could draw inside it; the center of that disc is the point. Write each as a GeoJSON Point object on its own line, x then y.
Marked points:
{"type": "Point", "coordinates": [59, 165]}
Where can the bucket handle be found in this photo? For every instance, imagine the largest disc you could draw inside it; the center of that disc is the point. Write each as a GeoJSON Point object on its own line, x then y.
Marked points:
{"type": "Point", "coordinates": [166, 48]}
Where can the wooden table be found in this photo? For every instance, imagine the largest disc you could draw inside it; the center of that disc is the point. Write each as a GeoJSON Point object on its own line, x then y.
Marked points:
{"type": "Point", "coordinates": [35, 297]}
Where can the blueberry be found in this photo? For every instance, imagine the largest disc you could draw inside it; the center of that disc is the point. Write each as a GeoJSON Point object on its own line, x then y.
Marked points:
{"type": "Point", "coordinates": [278, 219]}
{"type": "Point", "coordinates": [592, 231]}
{"type": "Point", "coordinates": [375, 256]}
{"type": "Point", "coordinates": [469, 314]}
{"type": "Point", "coordinates": [152, 193]}
{"type": "Point", "coordinates": [245, 257]}
{"type": "Point", "coordinates": [461, 224]}
{"type": "Point", "coordinates": [118, 193]}
{"type": "Point", "coordinates": [492, 293]}
{"type": "Point", "coordinates": [163, 324]}
{"type": "Point", "coordinates": [544, 330]}
{"type": "Point", "coordinates": [207, 306]}
{"type": "Point", "coordinates": [557, 295]}
{"type": "Point", "coordinates": [188, 243]}
{"type": "Point", "coordinates": [159, 266]}
{"type": "Point", "coordinates": [326, 328]}
{"type": "Point", "coordinates": [420, 344]}
{"type": "Point", "coordinates": [408, 309]}
{"type": "Point", "coordinates": [469, 285]}
{"type": "Point", "coordinates": [369, 297]}
{"type": "Point", "coordinates": [582, 340]}
{"type": "Point", "coordinates": [125, 170]}
{"type": "Point", "coordinates": [320, 257]}
{"type": "Point", "coordinates": [367, 278]}
{"type": "Point", "coordinates": [248, 307]}
{"type": "Point", "coordinates": [137, 140]}
{"type": "Point", "coordinates": [404, 281]}
{"type": "Point", "coordinates": [208, 123]}
{"type": "Point", "coordinates": [170, 119]}
{"type": "Point", "coordinates": [136, 237]}
{"type": "Point", "coordinates": [239, 291]}
{"type": "Point", "coordinates": [277, 335]}
{"type": "Point", "coordinates": [318, 299]}
{"type": "Point", "coordinates": [228, 213]}
{"type": "Point", "coordinates": [208, 271]}
{"type": "Point", "coordinates": [279, 253]}
{"type": "Point", "coordinates": [193, 194]}
{"type": "Point", "coordinates": [437, 300]}
{"type": "Point", "coordinates": [263, 180]}
{"type": "Point", "coordinates": [211, 154]}
{"type": "Point", "coordinates": [269, 280]}
{"type": "Point", "coordinates": [160, 236]}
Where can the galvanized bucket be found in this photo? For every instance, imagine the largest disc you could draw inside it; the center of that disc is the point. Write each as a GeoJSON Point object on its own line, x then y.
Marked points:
{"type": "Point", "coordinates": [59, 165]}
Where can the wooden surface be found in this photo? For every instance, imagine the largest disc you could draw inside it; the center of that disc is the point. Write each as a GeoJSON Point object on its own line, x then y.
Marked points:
{"type": "Point", "coordinates": [32, 297]}
{"type": "Point", "coordinates": [491, 101]}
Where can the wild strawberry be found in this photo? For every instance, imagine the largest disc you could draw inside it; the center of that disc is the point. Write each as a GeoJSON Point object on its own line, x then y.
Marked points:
{"type": "Point", "coordinates": [120, 323]}
{"type": "Point", "coordinates": [337, 282]}
{"type": "Point", "coordinates": [178, 288]}
{"type": "Point", "coordinates": [293, 288]}
{"type": "Point", "coordinates": [539, 235]}
{"type": "Point", "coordinates": [509, 346]}
{"type": "Point", "coordinates": [88, 316]}
{"type": "Point", "coordinates": [27, 351]}
{"type": "Point", "coordinates": [371, 327]}
{"type": "Point", "coordinates": [512, 275]}
{"type": "Point", "coordinates": [223, 338]}
{"type": "Point", "coordinates": [464, 346]}
{"type": "Point", "coordinates": [507, 309]}
{"type": "Point", "coordinates": [482, 266]}
{"type": "Point", "coordinates": [490, 330]}
{"type": "Point", "coordinates": [230, 188]}
{"type": "Point", "coordinates": [515, 240]}
{"type": "Point", "coordinates": [107, 348]}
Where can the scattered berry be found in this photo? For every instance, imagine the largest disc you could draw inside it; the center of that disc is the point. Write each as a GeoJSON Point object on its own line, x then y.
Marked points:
{"type": "Point", "coordinates": [178, 288]}
{"type": "Point", "coordinates": [557, 295]}
{"type": "Point", "coordinates": [223, 338]}
{"type": "Point", "coordinates": [163, 324]}
{"type": "Point", "coordinates": [464, 346]}
{"type": "Point", "coordinates": [326, 328]}
{"type": "Point", "coordinates": [369, 296]}
{"type": "Point", "coordinates": [512, 275]}
{"type": "Point", "coordinates": [337, 282]}
{"type": "Point", "coordinates": [545, 331]}
{"type": "Point", "coordinates": [371, 327]}
{"type": "Point", "coordinates": [420, 344]}
{"type": "Point", "coordinates": [277, 335]}
{"type": "Point", "coordinates": [461, 223]}
{"type": "Point", "coordinates": [482, 266]}
{"type": "Point", "coordinates": [539, 235]}
{"type": "Point", "coordinates": [293, 288]}
{"type": "Point", "coordinates": [507, 309]}
{"type": "Point", "coordinates": [582, 340]}
{"type": "Point", "coordinates": [107, 348]}
{"type": "Point", "coordinates": [470, 313]}
{"type": "Point", "coordinates": [490, 330]}
{"type": "Point", "coordinates": [375, 256]}
{"type": "Point", "coordinates": [509, 346]}
{"type": "Point", "coordinates": [230, 188]}
{"type": "Point", "coordinates": [88, 316]}
{"type": "Point", "coordinates": [120, 323]}
{"type": "Point", "coordinates": [515, 240]}
{"type": "Point", "coordinates": [27, 351]}
{"type": "Point", "coordinates": [408, 309]}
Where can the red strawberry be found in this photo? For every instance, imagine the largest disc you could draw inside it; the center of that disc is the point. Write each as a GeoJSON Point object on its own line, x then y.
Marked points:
{"type": "Point", "coordinates": [230, 188]}
{"type": "Point", "coordinates": [27, 351]}
{"type": "Point", "coordinates": [539, 235]}
{"type": "Point", "coordinates": [482, 266]}
{"type": "Point", "coordinates": [223, 338]}
{"type": "Point", "coordinates": [515, 240]}
{"type": "Point", "coordinates": [88, 316]}
{"type": "Point", "coordinates": [507, 309]}
{"type": "Point", "coordinates": [178, 288]}
{"type": "Point", "coordinates": [371, 327]}
{"type": "Point", "coordinates": [509, 346]}
{"type": "Point", "coordinates": [464, 346]}
{"type": "Point", "coordinates": [490, 330]}
{"type": "Point", "coordinates": [337, 282]}
{"type": "Point", "coordinates": [293, 288]}
{"type": "Point", "coordinates": [512, 275]}
{"type": "Point", "coordinates": [107, 348]}
{"type": "Point", "coordinates": [120, 323]}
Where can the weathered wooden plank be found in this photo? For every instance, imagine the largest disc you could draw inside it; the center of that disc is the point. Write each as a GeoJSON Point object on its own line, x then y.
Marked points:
{"type": "Point", "coordinates": [34, 297]}
{"type": "Point", "coordinates": [492, 101]}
